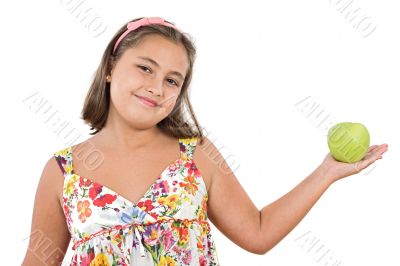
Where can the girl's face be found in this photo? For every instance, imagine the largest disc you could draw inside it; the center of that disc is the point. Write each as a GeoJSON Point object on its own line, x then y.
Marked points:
{"type": "Point", "coordinates": [156, 69]}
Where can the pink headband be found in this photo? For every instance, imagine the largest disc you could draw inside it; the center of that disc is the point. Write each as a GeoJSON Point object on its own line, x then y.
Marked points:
{"type": "Point", "coordinates": [142, 22]}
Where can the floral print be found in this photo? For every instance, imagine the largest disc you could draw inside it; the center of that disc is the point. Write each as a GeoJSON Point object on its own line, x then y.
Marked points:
{"type": "Point", "coordinates": [84, 210]}
{"type": "Point", "coordinates": [168, 226]}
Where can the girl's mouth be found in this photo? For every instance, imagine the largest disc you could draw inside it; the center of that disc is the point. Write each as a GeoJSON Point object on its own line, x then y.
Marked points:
{"type": "Point", "coordinates": [146, 102]}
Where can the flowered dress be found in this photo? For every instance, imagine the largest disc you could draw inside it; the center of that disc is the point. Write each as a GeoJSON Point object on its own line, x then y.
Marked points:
{"type": "Point", "coordinates": [167, 226]}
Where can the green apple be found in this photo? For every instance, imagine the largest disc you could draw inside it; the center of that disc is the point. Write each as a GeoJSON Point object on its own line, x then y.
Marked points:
{"type": "Point", "coordinates": [348, 142]}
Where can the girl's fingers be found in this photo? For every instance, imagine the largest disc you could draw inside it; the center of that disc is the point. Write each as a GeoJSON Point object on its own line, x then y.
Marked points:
{"type": "Point", "coordinates": [377, 152]}
{"type": "Point", "coordinates": [370, 151]}
{"type": "Point", "coordinates": [374, 153]}
{"type": "Point", "coordinates": [382, 149]}
{"type": "Point", "coordinates": [371, 148]}
{"type": "Point", "coordinates": [377, 148]}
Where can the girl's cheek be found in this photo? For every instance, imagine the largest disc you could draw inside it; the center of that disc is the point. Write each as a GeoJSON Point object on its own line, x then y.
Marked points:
{"type": "Point", "coordinates": [169, 102]}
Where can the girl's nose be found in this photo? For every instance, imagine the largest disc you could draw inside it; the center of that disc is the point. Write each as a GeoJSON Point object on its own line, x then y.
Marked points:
{"type": "Point", "coordinates": [155, 87]}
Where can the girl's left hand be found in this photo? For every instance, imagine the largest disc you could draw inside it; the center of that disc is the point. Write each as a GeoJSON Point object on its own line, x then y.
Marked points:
{"type": "Point", "coordinates": [337, 170]}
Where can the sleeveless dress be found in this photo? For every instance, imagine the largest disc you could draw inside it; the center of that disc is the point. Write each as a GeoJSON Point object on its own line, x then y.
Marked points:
{"type": "Point", "coordinates": [167, 226]}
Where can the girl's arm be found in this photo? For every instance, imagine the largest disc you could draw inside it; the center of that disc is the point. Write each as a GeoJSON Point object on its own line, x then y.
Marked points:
{"type": "Point", "coordinates": [280, 217]}
{"type": "Point", "coordinates": [231, 210]}
{"type": "Point", "coordinates": [49, 237]}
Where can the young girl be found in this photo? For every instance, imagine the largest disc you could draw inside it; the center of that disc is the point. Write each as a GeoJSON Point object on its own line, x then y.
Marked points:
{"type": "Point", "coordinates": [137, 193]}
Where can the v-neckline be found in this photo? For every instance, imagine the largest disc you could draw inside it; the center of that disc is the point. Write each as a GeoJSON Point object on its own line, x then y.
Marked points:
{"type": "Point", "coordinates": [130, 202]}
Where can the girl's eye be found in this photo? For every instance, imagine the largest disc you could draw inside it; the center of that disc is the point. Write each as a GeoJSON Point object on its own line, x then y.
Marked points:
{"type": "Point", "coordinates": [144, 68]}
{"type": "Point", "coordinates": [173, 82]}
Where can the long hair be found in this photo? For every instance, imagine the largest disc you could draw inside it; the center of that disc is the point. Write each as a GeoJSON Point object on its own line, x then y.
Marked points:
{"type": "Point", "coordinates": [181, 122]}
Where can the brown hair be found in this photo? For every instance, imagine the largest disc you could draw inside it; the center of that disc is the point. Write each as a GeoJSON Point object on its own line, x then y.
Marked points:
{"type": "Point", "coordinates": [96, 106]}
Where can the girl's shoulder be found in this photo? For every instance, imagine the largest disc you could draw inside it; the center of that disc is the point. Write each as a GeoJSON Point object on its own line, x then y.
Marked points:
{"type": "Point", "coordinates": [206, 158]}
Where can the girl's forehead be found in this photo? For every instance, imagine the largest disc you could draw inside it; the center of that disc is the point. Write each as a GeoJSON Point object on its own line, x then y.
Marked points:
{"type": "Point", "coordinates": [159, 44]}
{"type": "Point", "coordinates": [160, 52]}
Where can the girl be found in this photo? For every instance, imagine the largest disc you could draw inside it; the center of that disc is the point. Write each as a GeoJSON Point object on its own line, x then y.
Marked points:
{"type": "Point", "coordinates": [137, 193]}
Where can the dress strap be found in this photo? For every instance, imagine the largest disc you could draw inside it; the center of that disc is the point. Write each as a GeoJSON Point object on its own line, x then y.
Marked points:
{"type": "Point", "coordinates": [64, 160]}
{"type": "Point", "coordinates": [187, 147]}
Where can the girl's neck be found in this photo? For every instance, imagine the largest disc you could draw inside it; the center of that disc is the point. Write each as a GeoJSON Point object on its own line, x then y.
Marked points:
{"type": "Point", "coordinates": [128, 140]}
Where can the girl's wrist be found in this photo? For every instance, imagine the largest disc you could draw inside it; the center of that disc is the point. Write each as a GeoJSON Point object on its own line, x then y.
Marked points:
{"type": "Point", "coordinates": [324, 172]}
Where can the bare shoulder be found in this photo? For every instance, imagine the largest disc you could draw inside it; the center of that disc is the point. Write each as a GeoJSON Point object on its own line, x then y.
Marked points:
{"type": "Point", "coordinates": [52, 177]}
{"type": "Point", "coordinates": [48, 218]}
{"type": "Point", "coordinates": [213, 156]}
{"type": "Point", "coordinates": [207, 159]}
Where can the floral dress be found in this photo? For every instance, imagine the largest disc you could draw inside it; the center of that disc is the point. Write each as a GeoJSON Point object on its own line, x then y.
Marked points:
{"type": "Point", "coordinates": [167, 226]}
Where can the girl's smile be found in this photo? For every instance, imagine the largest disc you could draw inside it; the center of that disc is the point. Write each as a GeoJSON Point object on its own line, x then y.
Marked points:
{"type": "Point", "coordinates": [146, 101]}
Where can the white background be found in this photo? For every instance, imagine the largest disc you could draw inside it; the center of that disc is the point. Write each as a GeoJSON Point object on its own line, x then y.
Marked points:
{"type": "Point", "coordinates": [256, 61]}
